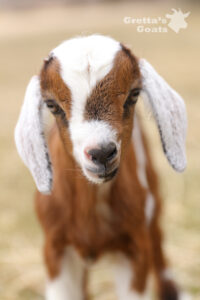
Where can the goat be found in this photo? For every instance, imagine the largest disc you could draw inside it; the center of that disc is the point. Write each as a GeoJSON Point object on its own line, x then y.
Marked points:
{"type": "Point", "coordinates": [98, 191]}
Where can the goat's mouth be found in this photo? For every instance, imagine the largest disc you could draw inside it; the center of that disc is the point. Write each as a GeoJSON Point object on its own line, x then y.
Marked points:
{"type": "Point", "coordinates": [101, 174]}
{"type": "Point", "coordinates": [109, 176]}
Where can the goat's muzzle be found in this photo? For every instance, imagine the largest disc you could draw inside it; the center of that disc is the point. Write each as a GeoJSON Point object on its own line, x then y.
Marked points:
{"type": "Point", "coordinates": [104, 159]}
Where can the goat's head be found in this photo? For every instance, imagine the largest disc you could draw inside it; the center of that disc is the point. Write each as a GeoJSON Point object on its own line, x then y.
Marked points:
{"type": "Point", "coordinates": [91, 85]}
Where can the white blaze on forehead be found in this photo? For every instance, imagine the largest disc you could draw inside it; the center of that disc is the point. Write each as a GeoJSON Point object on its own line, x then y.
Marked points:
{"type": "Point", "coordinates": [95, 51]}
{"type": "Point", "coordinates": [84, 61]}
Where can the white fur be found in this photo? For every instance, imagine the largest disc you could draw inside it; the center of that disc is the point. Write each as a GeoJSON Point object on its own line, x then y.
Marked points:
{"type": "Point", "coordinates": [124, 276]}
{"type": "Point", "coordinates": [149, 207]}
{"type": "Point", "coordinates": [85, 61]}
{"type": "Point", "coordinates": [141, 169]}
{"type": "Point", "coordinates": [29, 137]}
{"type": "Point", "coordinates": [167, 274]}
{"type": "Point", "coordinates": [91, 134]}
{"type": "Point", "coordinates": [169, 112]}
{"type": "Point", "coordinates": [68, 284]}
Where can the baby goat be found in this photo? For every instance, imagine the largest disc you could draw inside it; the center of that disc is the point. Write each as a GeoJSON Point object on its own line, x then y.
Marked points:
{"type": "Point", "coordinates": [91, 86]}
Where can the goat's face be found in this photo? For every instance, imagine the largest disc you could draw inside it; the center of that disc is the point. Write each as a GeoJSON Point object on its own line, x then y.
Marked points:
{"type": "Point", "coordinates": [91, 85]}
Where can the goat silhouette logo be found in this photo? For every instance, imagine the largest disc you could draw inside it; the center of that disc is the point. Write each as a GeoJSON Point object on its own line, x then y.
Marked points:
{"type": "Point", "coordinates": [177, 20]}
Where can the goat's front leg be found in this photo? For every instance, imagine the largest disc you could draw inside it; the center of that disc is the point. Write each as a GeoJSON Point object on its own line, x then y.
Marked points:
{"type": "Point", "coordinates": [127, 285]}
{"type": "Point", "coordinates": [132, 273]}
{"type": "Point", "coordinates": [66, 274]}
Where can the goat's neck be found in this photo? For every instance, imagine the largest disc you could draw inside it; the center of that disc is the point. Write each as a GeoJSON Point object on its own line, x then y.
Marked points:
{"type": "Point", "coordinates": [71, 172]}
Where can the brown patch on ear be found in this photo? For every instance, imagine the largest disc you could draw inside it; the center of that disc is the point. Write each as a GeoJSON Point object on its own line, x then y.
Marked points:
{"type": "Point", "coordinates": [53, 86]}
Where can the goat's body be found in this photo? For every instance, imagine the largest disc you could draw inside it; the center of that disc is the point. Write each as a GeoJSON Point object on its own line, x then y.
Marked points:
{"type": "Point", "coordinates": [121, 216]}
{"type": "Point", "coordinates": [91, 85]}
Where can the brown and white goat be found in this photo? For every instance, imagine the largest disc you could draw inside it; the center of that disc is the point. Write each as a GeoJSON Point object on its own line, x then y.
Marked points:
{"type": "Point", "coordinates": [91, 85]}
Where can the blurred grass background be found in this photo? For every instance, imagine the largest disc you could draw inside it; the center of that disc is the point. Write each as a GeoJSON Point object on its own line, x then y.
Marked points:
{"type": "Point", "coordinates": [26, 37]}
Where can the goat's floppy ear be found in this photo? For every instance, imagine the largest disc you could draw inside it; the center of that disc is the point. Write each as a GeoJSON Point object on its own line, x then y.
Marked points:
{"type": "Point", "coordinates": [169, 111]}
{"type": "Point", "coordinates": [30, 140]}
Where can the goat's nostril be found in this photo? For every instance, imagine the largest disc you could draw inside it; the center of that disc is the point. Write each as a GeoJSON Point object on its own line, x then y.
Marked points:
{"type": "Point", "coordinates": [111, 151]}
{"type": "Point", "coordinates": [104, 154]}
{"type": "Point", "coordinates": [87, 154]}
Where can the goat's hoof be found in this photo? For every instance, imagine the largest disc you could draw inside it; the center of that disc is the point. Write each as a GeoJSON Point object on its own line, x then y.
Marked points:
{"type": "Point", "coordinates": [169, 291]}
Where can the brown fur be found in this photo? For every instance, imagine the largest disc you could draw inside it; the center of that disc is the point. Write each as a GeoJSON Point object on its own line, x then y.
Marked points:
{"type": "Point", "coordinates": [69, 216]}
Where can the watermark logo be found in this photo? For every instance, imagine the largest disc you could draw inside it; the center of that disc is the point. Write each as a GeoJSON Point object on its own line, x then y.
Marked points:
{"type": "Point", "coordinates": [177, 20]}
{"type": "Point", "coordinates": [174, 21]}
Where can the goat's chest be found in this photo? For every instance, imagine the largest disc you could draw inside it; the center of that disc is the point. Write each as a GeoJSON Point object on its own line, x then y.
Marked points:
{"type": "Point", "coordinates": [107, 225]}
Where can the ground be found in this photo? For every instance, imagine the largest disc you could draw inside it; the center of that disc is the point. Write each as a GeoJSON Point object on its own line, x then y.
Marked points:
{"type": "Point", "coordinates": [26, 38]}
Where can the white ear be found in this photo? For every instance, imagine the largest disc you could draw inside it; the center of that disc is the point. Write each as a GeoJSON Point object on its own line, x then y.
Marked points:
{"type": "Point", "coordinates": [30, 140]}
{"type": "Point", "coordinates": [169, 111]}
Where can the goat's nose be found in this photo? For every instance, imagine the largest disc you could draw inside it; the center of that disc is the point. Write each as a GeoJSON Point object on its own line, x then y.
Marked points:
{"type": "Point", "coordinates": [103, 155]}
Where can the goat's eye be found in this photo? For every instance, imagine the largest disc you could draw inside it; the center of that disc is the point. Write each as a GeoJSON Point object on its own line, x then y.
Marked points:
{"type": "Point", "coordinates": [132, 97]}
{"type": "Point", "coordinates": [53, 107]}
{"type": "Point", "coordinates": [134, 94]}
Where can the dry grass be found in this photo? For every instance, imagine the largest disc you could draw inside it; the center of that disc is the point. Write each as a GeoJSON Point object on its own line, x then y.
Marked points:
{"type": "Point", "coordinates": [26, 37]}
